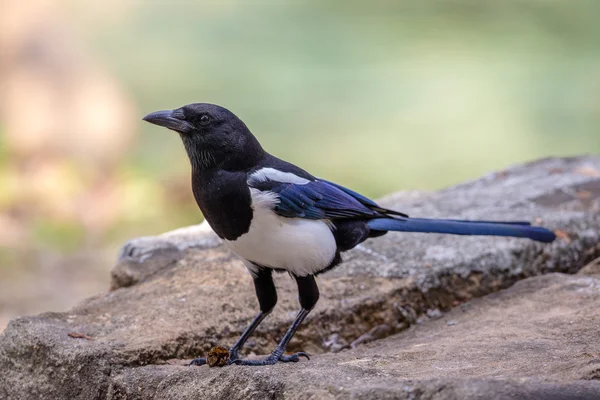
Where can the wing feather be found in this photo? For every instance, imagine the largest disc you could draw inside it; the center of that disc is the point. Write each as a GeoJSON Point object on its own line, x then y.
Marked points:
{"type": "Point", "coordinates": [318, 199]}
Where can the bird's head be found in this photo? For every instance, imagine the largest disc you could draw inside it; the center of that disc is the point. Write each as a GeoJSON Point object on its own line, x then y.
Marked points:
{"type": "Point", "coordinates": [213, 136]}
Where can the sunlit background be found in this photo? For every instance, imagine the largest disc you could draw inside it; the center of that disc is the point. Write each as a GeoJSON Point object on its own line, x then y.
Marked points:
{"type": "Point", "coordinates": [379, 95]}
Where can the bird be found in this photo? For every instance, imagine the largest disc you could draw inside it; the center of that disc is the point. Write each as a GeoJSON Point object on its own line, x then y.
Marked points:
{"type": "Point", "coordinates": [277, 217]}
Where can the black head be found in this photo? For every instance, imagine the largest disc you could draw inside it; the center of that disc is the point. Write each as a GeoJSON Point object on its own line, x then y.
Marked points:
{"type": "Point", "coordinates": [213, 136]}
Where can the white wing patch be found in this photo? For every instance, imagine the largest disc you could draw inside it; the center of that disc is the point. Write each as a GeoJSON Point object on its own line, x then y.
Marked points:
{"type": "Point", "coordinates": [300, 246]}
{"type": "Point", "coordinates": [273, 174]}
{"type": "Point", "coordinates": [263, 199]}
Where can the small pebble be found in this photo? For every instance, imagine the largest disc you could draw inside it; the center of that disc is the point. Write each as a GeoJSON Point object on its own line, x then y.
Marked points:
{"type": "Point", "coordinates": [450, 323]}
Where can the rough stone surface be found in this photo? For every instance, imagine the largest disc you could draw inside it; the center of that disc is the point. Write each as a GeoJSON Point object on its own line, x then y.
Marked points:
{"type": "Point", "coordinates": [537, 339]}
{"type": "Point", "coordinates": [177, 295]}
{"type": "Point", "coordinates": [592, 268]}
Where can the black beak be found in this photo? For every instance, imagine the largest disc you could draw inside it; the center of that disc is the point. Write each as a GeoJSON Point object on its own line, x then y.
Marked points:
{"type": "Point", "coordinates": [168, 120]}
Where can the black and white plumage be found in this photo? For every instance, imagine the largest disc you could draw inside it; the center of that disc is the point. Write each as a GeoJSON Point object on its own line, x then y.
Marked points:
{"type": "Point", "coordinates": [276, 216]}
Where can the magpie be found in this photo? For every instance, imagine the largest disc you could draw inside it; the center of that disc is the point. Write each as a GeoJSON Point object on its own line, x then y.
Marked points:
{"type": "Point", "coordinates": [276, 216]}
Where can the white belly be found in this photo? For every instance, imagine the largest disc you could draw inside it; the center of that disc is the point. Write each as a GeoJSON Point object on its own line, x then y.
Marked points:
{"type": "Point", "coordinates": [298, 245]}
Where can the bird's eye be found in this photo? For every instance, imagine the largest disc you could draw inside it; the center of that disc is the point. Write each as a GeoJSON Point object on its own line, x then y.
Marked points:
{"type": "Point", "coordinates": [204, 120]}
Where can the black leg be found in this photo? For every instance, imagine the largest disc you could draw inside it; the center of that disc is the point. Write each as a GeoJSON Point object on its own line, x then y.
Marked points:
{"type": "Point", "coordinates": [234, 352]}
{"type": "Point", "coordinates": [308, 291]}
{"type": "Point", "coordinates": [267, 298]}
{"type": "Point", "coordinates": [309, 295]}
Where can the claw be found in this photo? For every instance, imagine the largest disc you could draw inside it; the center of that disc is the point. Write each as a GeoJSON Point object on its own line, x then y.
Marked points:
{"type": "Point", "coordinates": [273, 359]}
{"type": "Point", "coordinates": [198, 361]}
{"type": "Point", "coordinates": [293, 357]}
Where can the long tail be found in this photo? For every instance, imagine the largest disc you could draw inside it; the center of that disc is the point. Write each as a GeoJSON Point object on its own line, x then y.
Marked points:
{"type": "Point", "coordinates": [461, 227]}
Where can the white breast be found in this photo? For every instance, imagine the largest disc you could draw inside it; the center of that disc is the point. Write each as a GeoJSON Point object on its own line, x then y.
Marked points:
{"type": "Point", "coordinates": [298, 245]}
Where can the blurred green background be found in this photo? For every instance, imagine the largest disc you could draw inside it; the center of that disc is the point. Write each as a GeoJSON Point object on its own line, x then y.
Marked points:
{"type": "Point", "coordinates": [380, 96]}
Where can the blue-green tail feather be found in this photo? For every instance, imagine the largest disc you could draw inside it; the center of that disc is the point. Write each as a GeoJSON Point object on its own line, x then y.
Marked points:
{"type": "Point", "coordinates": [462, 227]}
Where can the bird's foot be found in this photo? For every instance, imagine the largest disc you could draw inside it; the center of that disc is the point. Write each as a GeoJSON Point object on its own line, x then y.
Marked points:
{"type": "Point", "coordinates": [234, 354]}
{"type": "Point", "coordinates": [198, 361]}
{"type": "Point", "coordinates": [274, 358]}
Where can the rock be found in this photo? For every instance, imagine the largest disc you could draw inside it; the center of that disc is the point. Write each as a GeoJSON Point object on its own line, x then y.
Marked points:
{"type": "Point", "coordinates": [535, 340]}
{"type": "Point", "coordinates": [177, 295]}
{"type": "Point", "coordinates": [592, 268]}
{"type": "Point", "coordinates": [377, 332]}
{"type": "Point", "coordinates": [142, 257]}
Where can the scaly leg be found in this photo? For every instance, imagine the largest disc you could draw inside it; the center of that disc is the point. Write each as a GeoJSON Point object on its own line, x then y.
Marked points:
{"type": "Point", "coordinates": [234, 351]}
{"type": "Point", "coordinates": [277, 354]}
{"type": "Point", "coordinates": [309, 295]}
{"type": "Point", "coordinates": [267, 298]}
